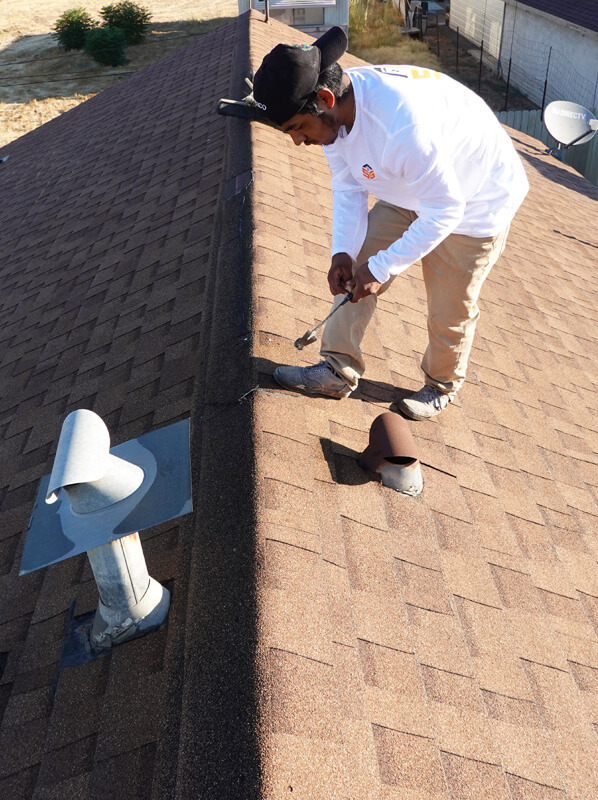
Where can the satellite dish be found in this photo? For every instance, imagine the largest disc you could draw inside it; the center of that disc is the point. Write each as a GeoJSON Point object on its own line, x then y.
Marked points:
{"type": "Point", "coordinates": [568, 123]}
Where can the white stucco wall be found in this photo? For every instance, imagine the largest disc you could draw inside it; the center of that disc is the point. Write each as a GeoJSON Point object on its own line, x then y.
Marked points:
{"type": "Point", "coordinates": [479, 20]}
{"type": "Point", "coordinates": [336, 12]}
{"type": "Point", "coordinates": [527, 38]}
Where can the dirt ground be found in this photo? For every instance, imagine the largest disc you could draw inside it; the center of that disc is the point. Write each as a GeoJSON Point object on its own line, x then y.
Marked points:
{"type": "Point", "coordinates": [39, 80]}
{"type": "Point", "coordinates": [466, 68]}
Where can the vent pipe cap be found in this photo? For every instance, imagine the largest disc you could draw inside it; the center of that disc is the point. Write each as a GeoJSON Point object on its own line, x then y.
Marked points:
{"type": "Point", "coordinates": [92, 478]}
{"type": "Point", "coordinates": [392, 452]}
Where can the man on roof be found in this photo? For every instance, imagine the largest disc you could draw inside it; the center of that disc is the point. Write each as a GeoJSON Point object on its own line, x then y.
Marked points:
{"type": "Point", "coordinates": [448, 182]}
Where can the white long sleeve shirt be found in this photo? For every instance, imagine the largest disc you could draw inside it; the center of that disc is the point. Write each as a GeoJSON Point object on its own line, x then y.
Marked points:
{"type": "Point", "coordinates": [423, 142]}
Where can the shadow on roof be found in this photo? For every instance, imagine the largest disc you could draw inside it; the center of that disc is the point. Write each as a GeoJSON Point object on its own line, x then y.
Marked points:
{"type": "Point", "coordinates": [553, 170]}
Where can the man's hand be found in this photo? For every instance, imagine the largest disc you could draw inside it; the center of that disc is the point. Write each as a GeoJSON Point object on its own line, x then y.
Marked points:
{"type": "Point", "coordinates": [364, 283]}
{"type": "Point", "coordinates": [340, 273]}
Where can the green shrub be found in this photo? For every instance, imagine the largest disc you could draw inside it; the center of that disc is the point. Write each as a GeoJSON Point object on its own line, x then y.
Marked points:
{"type": "Point", "coordinates": [133, 19]}
{"type": "Point", "coordinates": [71, 27]}
{"type": "Point", "coordinates": [106, 46]}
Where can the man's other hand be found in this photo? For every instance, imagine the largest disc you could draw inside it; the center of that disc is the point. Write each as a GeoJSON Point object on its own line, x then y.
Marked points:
{"type": "Point", "coordinates": [364, 283]}
{"type": "Point", "coordinates": [340, 273]}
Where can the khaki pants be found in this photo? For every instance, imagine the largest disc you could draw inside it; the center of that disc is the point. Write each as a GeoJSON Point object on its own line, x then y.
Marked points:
{"type": "Point", "coordinates": [453, 275]}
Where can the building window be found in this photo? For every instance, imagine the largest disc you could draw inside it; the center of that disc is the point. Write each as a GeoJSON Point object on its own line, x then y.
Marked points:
{"type": "Point", "coordinates": [299, 17]}
{"type": "Point", "coordinates": [308, 16]}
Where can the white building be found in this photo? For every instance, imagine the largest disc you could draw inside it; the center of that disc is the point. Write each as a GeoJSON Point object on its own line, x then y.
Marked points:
{"type": "Point", "coordinates": [479, 21]}
{"type": "Point", "coordinates": [312, 16]}
{"type": "Point", "coordinates": [549, 46]}
{"type": "Point", "coordinates": [553, 49]}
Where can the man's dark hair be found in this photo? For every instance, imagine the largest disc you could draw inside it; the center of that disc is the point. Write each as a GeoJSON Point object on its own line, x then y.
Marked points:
{"type": "Point", "coordinates": [331, 78]}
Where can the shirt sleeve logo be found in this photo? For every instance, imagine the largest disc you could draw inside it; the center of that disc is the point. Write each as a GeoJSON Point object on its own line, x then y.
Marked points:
{"type": "Point", "coordinates": [368, 172]}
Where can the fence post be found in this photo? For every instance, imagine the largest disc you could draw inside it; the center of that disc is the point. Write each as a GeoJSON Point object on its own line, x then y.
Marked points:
{"type": "Point", "coordinates": [546, 80]}
{"type": "Point", "coordinates": [480, 69]}
{"type": "Point", "coordinates": [508, 84]}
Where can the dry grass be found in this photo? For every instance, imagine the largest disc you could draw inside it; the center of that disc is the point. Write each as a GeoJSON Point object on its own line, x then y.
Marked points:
{"type": "Point", "coordinates": [39, 80]}
{"type": "Point", "coordinates": [375, 35]}
{"type": "Point", "coordinates": [17, 119]}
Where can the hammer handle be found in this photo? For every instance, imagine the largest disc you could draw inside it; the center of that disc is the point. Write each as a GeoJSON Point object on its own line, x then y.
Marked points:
{"type": "Point", "coordinates": [347, 299]}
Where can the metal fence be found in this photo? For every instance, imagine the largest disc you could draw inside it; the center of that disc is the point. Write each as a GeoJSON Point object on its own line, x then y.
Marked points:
{"type": "Point", "coordinates": [583, 157]}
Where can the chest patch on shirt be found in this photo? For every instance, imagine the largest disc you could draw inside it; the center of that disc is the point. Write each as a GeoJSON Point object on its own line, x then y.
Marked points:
{"type": "Point", "coordinates": [368, 172]}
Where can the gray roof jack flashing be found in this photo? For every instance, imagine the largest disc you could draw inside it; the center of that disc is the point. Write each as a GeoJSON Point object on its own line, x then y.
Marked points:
{"type": "Point", "coordinates": [392, 453]}
{"type": "Point", "coordinates": [96, 500]}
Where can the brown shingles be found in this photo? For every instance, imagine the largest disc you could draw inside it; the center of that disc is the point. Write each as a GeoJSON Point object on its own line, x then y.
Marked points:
{"type": "Point", "coordinates": [393, 691]}
{"type": "Point", "coordinates": [381, 620]}
{"type": "Point", "coordinates": [565, 717]}
{"type": "Point", "coordinates": [348, 678]}
{"type": "Point", "coordinates": [527, 752]}
{"type": "Point", "coordinates": [303, 700]}
{"type": "Point", "coordinates": [95, 266]}
{"type": "Point", "coordinates": [423, 587]}
{"type": "Point", "coordinates": [438, 640]}
{"type": "Point", "coordinates": [329, 517]}
{"type": "Point", "coordinates": [443, 494]}
{"type": "Point", "coordinates": [534, 638]}
{"type": "Point", "coordinates": [458, 714]}
{"type": "Point", "coordinates": [410, 535]}
{"type": "Point", "coordinates": [303, 766]}
{"type": "Point", "coordinates": [463, 733]}
{"type": "Point", "coordinates": [351, 567]}
{"type": "Point", "coordinates": [279, 496]}
{"type": "Point", "coordinates": [516, 590]}
{"type": "Point", "coordinates": [514, 493]}
{"type": "Point", "coordinates": [295, 605]}
{"type": "Point", "coordinates": [468, 575]}
{"type": "Point", "coordinates": [492, 648]}
{"type": "Point", "coordinates": [78, 703]}
{"type": "Point", "coordinates": [409, 762]}
{"type": "Point", "coordinates": [469, 779]}
{"type": "Point", "coordinates": [522, 789]}
{"type": "Point", "coordinates": [492, 524]}
{"type": "Point", "coordinates": [369, 565]}
{"type": "Point", "coordinates": [360, 760]}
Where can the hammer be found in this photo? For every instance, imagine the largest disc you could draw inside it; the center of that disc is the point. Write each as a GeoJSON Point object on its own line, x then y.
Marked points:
{"type": "Point", "coordinates": [310, 336]}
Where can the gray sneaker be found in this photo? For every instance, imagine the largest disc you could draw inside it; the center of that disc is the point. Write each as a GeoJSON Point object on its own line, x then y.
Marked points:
{"type": "Point", "coordinates": [425, 404]}
{"type": "Point", "coordinates": [319, 379]}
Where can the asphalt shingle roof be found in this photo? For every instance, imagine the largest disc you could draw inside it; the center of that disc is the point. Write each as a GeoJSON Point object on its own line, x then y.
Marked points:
{"type": "Point", "coordinates": [582, 12]}
{"type": "Point", "coordinates": [328, 638]}
{"type": "Point", "coordinates": [119, 214]}
{"type": "Point", "coordinates": [444, 647]}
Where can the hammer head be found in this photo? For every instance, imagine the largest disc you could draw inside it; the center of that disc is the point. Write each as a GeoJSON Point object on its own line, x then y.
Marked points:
{"type": "Point", "coordinates": [308, 338]}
